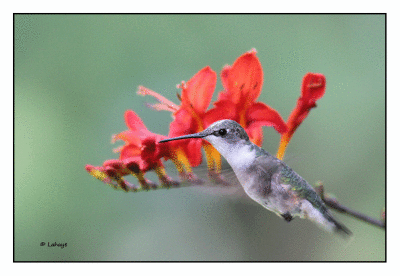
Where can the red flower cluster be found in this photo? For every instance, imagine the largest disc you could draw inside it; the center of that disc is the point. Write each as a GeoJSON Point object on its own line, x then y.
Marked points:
{"type": "Point", "coordinates": [242, 84]}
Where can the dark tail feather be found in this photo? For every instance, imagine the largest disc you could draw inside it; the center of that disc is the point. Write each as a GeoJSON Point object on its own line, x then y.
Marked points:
{"type": "Point", "coordinates": [340, 228]}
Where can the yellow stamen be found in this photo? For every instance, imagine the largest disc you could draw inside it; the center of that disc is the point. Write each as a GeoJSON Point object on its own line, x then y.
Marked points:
{"type": "Point", "coordinates": [213, 158]}
{"type": "Point", "coordinates": [181, 161]}
{"type": "Point", "coordinates": [242, 118]}
{"type": "Point", "coordinates": [282, 146]}
{"type": "Point", "coordinates": [178, 165]}
{"type": "Point", "coordinates": [160, 171]}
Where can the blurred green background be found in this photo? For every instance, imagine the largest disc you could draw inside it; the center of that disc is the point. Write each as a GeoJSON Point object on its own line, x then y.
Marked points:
{"type": "Point", "coordinates": [75, 75]}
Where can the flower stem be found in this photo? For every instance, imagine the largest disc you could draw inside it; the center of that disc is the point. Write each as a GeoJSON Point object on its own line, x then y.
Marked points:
{"type": "Point", "coordinates": [332, 203]}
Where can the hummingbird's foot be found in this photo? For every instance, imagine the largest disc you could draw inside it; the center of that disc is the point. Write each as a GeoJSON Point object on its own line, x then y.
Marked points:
{"type": "Point", "coordinates": [287, 216]}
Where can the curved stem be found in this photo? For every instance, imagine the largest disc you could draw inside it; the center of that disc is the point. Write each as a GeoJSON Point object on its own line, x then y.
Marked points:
{"type": "Point", "coordinates": [332, 203]}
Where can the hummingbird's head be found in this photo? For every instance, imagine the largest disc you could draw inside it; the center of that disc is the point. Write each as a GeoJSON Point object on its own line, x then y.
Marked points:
{"type": "Point", "coordinates": [221, 134]}
{"type": "Point", "coordinates": [225, 131]}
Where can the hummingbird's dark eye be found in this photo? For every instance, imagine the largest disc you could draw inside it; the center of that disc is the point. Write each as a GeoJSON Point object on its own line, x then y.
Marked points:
{"type": "Point", "coordinates": [222, 132]}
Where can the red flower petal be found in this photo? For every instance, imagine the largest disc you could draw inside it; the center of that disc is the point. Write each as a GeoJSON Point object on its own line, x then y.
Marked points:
{"type": "Point", "coordinates": [313, 88]}
{"type": "Point", "coordinates": [150, 151]}
{"type": "Point", "coordinates": [182, 124]}
{"type": "Point", "coordinates": [127, 136]}
{"type": "Point", "coordinates": [134, 122]}
{"type": "Point", "coordinates": [197, 92]}
{"type": "Point", "coordinates": [129, 150]}
{"type": "Point", "coordinates": [244, 79]}
{"type": "Point", "coordinates": [255, 134]}
{"type": "Point", "coordinates": [116, 164]}
{"type": "Point", "coordinates": [193, 152]}
{"type": "Point", "coordinates": [260, 114]}
{"type": "Point", "coordinates": [185, 124]}
{"type": "Point", "coordinates": [132, 164]}
{"type": "Point", "coordinates": [90, 168]}
{"type": "Point", "coordinates": [224, 109]}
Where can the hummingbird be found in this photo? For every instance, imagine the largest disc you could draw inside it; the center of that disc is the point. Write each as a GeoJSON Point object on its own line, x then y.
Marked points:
{"type": "Point", "coordinates": [265, 178]}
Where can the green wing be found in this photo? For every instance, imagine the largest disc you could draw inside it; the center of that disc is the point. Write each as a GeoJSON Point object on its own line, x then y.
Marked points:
{"type": "Point", "coordinates": [300, 186]}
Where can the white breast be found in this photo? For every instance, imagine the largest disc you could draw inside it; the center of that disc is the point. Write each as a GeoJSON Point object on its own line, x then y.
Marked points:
{"type": "Point", "coordinates": [240, 158]}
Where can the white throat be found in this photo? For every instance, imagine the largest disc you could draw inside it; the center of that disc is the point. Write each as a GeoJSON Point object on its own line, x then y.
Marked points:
{"type": "Point", "coordinates": [240, 156]}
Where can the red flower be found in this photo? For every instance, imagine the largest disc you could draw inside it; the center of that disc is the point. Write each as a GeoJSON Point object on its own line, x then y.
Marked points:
{"type": "Point", "coordinates": [312, 89]}
{"type": "Point", "coordinates": [113, 171]}
{"type": "Point", "coordinates": [141, 144]}
{"type": "Point", "coordinates": [242, 85]}
{"type": "Point", "coordinates": [141, 153]}
{"type": "Point", "coordinates": [189, 118]}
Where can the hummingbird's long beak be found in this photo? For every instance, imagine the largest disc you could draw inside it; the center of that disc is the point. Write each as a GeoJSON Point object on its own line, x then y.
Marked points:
{"type": "Point", "coordinates": [195, 135]}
